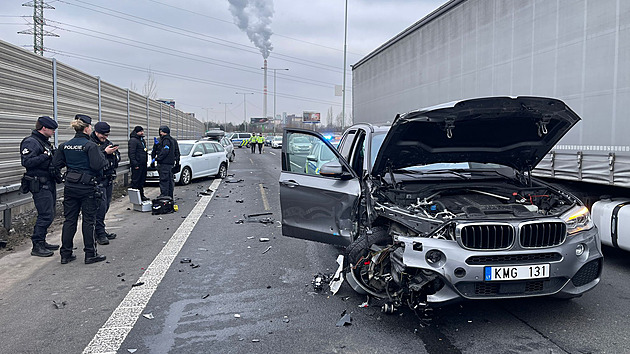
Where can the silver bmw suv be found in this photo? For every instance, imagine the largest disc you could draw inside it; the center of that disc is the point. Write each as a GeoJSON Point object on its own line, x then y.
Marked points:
{"type": "Point", "coordinates": [442, 205]}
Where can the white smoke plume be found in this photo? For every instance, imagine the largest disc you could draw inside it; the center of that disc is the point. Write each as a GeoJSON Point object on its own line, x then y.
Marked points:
{"type": "Point", "coordinates": [254, 17]}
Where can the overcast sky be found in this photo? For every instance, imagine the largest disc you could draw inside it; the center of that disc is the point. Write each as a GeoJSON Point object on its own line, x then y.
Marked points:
{"type": "Point", "coordinates": [200, 58]}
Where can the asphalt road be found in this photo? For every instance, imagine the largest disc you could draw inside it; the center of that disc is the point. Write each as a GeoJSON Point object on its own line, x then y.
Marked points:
{"type": "Point", "coordinates": [241, 295]}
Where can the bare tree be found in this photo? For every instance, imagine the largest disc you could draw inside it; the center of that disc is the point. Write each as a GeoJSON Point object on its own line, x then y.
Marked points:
{"type": "Point", "coordinates": [149, 89]}
{"type": "Point", "coordinates": [329, 117]}
{"type": "Point", "coordinates": [340, 122]}
{"type": "Point", "coordinates": [133, 87]}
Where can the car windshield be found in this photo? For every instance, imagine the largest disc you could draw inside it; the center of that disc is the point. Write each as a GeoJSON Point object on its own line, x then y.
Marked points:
{"type": "Point", "coordinates": [184, 149]}
{"type": "Point", "coordinates": [277, 138]}
{"type": "Point", "coordinates": [377, 141]}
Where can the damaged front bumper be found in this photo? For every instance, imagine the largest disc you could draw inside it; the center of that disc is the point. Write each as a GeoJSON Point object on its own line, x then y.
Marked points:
{"type": "Point", "coordinates": [574, 267]}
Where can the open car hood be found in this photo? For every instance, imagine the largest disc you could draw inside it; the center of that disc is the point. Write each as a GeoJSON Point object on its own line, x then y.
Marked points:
{"type": "Point", "coordinates": [511, 131]}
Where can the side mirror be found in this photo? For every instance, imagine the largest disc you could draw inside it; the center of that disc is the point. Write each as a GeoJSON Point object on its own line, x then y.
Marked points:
{"type": "Point", "coordinates": [334, 169]}
{"type": "Point", "coordinates": [311, 158]}
{"type": "Point", "coordinates": [197, 153]}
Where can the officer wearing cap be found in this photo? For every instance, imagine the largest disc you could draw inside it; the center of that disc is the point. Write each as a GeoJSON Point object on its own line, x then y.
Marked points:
{"type": "Point", "coordinates": [36, 154]}
{"type": "Point", "coordinates": [106, 183]}
{"type": "Point", "coordinates": [138, 159]}
{"type": "Point", "coordinates": [166, 153]}
{"type": "Point", "coordinates": [84, 162]}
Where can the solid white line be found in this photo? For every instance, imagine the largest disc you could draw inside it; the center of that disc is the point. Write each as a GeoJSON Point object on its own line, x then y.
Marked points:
{"type": "Point", "coordinates": [273, 153]}
{"type": "Point", "coordinates": [110, 337]}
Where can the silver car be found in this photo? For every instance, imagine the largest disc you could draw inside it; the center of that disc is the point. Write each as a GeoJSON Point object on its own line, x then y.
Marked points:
{"type": "Point", "coordinates": [442, 206]}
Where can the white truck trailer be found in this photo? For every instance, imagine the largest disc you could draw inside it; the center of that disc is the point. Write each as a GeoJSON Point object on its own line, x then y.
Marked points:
{"type": "Point", "coordinates": [574, 50]}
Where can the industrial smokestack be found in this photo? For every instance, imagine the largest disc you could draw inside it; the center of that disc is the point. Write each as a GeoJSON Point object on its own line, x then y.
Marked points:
{"type": "Point", "coordinates": [265, 91]}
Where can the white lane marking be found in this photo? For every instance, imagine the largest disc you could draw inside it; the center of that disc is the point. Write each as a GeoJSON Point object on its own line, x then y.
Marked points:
{"type": "Point", "coordinates": [110, 337]}
{"type": "Point", "coordinates": [264, 196]}
{"type": "Point", "coordinates": [250, 160]}
{"type": "Point", "coordinates": [273, 153]}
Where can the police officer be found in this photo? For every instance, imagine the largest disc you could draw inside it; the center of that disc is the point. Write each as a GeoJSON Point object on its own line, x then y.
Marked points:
{"type": "Point", "coordinates": [36, 155]}
{"type": "Point", "coordinates": [84, 163]}
{"type": "Point", "coordinates": [138, 159]}
{"type": "Point", "coordinates": [261, 141]}
{"type": "Point", "coordinates": [106, 183]}
{"type": "Point", "coordinates": [166, 153]}
{"type": "Point", "coordinates": [252, 143]}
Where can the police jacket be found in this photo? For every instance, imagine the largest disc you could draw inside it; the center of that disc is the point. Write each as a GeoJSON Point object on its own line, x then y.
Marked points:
{"type": "Point", "coordinates": [36, 154]}
{"type": "Point", "coordinates": [166, 151]}
{"type": "Point", "coordinates": [137, 151]}
{"type": "Point", "coordinates": [82, 155]}
{"type": "Point", "coordinates": [112, 160]}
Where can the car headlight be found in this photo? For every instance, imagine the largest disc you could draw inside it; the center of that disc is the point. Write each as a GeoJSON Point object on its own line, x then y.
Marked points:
{"type": "Point", "coordinates": [578, 219]}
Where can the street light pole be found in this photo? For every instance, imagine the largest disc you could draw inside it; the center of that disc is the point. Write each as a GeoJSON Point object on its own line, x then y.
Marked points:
{"type": "Point", "coordinates": [225, 116]}
{"type": "Point", "coordinates": [245, 106]}
{"type": "Point", "coordinates": [343, 92]}
{"type": "Point", "coordinates": [274, 98]}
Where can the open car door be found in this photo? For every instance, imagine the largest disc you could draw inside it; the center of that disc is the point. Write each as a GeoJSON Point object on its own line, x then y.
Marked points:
{"type": "Point", "coordinates": [319, 193]}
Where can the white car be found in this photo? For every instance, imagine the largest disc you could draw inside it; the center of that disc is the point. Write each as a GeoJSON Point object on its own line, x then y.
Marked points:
{"type": "Point", "coordinates": [276, 142]}
{"type": "Point", "coordinates": [200, 158]}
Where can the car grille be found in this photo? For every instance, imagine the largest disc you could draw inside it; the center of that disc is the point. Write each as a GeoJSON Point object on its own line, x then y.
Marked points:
{"type": "Point", "coordinates": [514, 259]}
{"type": "Point", "coordinates": [589, 272]}
{"type": "Point", "coordinates": [511, 288]}
{"type": "Point", "coordinates": [543, 234]}
{"type": "Point", "coordinates": [487, 237]}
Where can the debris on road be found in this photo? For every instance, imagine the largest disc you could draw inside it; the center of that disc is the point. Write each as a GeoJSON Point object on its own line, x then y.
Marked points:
{"type": "Point", "coordinates": [255, 340]}
{"type": "Point", "coordinates": [148, 316]}
{"type": "Point", "coordinates": [267, 221]}
{"type": "Point", "coordinates": [121, 275]}
{"type": "Point", "coordinates": [239, 200]}
{"type": "Point", "coordinates": [286, 319]}
{"type": "Point", "coordinates": [366, 303]}
{"type": "Point", "coordinates": [318, 281]}
{"type": "Point", "coordinates": [185, 260]}
{"type": "Point", "coordinates": [230, 180]}
{"type": "Point", "coordinates": [263, 239]}
{"type": "Point", "coordinates": [205, 296]}
{"type": "Point", "coordinates": [3, 243]}
{"type": "Point", "coordinates": [194, 265]}
{"type": "Point", "coordinates": [59, 305]}
{"type": "Point", "coordinates": [202, 249]}
{"type": "Point", "coordinates": [132, 350]}
{"type": "Point", "coordinates": [239, 221]}
{"type": "Point", "coordinates": [236, 315]}
{"type": "Point", "coordinates": [345, 320]}
{"type": "Point", "coordinates": [140, 283]}
{"type": "Point", "coordinates": [337, 280]}
{"type": "Point", "coordinates": [267, 250]}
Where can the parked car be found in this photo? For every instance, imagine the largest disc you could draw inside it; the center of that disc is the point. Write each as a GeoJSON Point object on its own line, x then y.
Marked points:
{"type": "Point", "coordinates": [299, 145]}
{"type": "Point", "coordinates": [276, 142]}
{"type": "Point", "coordinates": [199, 158]}
{"type": "Point", "coordinates": [318, 156]}
{"type": "Point", "coordinates": [240, 139]}
{"type": "Point", "coordinates": [441, 205]}
{"type": "Point", "coordinates": [226, 143]}
{"type": "Point", "coordinates": [268, 139]}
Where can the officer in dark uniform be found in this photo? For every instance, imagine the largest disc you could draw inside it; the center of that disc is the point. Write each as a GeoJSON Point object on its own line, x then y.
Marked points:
{"type": "Point", "coordinates": [166, 153]}
{"type": "Point", "coordinates": [84, 163]}
{"type": "Point", "coordinates": [36, 155]}
{"type": "Point", "coordinates": [138, 159]}
{"type": "Point", "coordinates": [106, 183]}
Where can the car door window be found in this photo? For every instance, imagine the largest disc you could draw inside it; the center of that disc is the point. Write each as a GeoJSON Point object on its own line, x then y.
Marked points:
{"type": "Point", "coordinates": [218, 147]}
{"type": "Point", "coordinates": [210, 147]}
{"type": "Point", "coordinates": [303, 154]}
{"type": "Point", "coordinates": [199, 148]}
{"type": "Point", "coordinates": [345, 147]}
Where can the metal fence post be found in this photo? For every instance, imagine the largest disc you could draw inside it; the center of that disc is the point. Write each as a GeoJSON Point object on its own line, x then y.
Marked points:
{"type": "Point", "coordinates": [147, 113]}
{"type": "Point", "coordinates": [100, 111]}
{"type": "Point", "coordinates": [54, 72]}
{"type": "Point", "coordinates": [128, 113]}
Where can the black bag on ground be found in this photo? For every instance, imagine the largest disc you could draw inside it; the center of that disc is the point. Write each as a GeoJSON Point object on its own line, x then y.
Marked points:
{"type": "Point", "coordinates": [162, 205]}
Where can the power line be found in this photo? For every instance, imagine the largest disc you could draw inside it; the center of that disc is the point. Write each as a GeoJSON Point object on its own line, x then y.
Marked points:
{"type": "Point", "coordinates": [232, 23]}
{"type": "Point", "coordinates": [214, 40]}
{"type": "Point", "coordinates": [182, 54]}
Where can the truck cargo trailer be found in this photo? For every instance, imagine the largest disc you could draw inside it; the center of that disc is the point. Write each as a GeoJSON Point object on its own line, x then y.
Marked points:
{"type": "Point", "coordinates": [574, 50]}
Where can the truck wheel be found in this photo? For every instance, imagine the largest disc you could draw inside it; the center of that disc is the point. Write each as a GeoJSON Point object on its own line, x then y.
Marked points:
{"type": "Point", "coordinates": [356, 251]}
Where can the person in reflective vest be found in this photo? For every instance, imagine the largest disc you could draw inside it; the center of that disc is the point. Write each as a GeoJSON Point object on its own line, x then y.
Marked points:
{"type": "Point", "coordinates": [261, 141]}
{"type": "Point", "coordinates": [36, 154]}
{"type": "Point", "coordinates": [84, 162]}
{"type": "Point", "coordinates": [253, 142]}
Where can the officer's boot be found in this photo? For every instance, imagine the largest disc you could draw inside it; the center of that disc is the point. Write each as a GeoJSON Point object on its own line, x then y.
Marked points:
{"type": "Point", "coordinates": [102, 240]}
{"type": "Point", "coordinates": [39, 250]}
{"type": "Point", "coordinates": [50, 246]}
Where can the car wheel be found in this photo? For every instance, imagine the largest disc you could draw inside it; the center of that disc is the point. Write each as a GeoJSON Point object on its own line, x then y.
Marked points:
{"type": "Point", "coordinates": [222, 171]}
{"type": "Point", "coordinates": [358, 253]}
{"type": "Point", "coordinates": [185, 176]}
{"type": "Point", "coordinates": [232, 156]}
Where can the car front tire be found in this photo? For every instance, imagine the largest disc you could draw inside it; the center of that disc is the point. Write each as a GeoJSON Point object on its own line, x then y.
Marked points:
{"type": "Point", "coordinates": [222, 171]}
{"type": "Point", "coordinates": [186, 176]}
